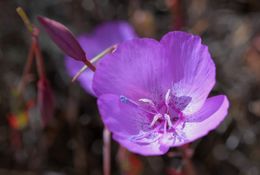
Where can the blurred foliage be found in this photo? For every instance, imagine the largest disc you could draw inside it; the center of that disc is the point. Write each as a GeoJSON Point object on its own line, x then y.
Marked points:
{"type": "Point", "coordinates": [72, 142]}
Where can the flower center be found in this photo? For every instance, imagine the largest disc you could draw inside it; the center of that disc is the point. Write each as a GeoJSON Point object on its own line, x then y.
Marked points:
{"type": "Point", "coordinates": [165, 114]}
{"type": "Point", "coordinates": [163, 117]}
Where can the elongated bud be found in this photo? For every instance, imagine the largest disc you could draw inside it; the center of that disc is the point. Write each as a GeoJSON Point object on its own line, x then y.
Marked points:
{"type": "Point", "coordinates": [65, 40]}
{"type": "Point", "coordinates": [63, 37]}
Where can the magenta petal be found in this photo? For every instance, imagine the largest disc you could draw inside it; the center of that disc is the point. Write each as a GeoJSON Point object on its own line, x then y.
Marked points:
{"type": "Point", "coordinates": [211, 105]}
{"type": "Point", "coordinates": [192, 67]}
{"type": "Point", "coordinates": [152, 149]}
{"type": "Point", "coordinates": [137, 69]}
{"type": "Point", "coordinates": [207, 118]}
{"type": "Point", "coordinates": [112, 32]}
{"type": "Point", "coordinates": [124, 121]}
{"type": "Point", "coordinates": [104, 36]}
{"type": "Point", "coordinates": [120, 118]}
{"type": "Point", "coordinates": [63, 37]}
{"type": "Point", "coordinates": [85, 79]}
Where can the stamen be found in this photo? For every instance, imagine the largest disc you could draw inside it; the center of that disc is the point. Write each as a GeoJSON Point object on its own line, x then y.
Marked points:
{"type": "Point", "coordinates": [146, 100]}
{"type": "Point", "coordinates": [167, 97]}
{"type": "Point", "coordinates": [168, 119]}
{"type": "Point", "coordinates": [149, 102]}
{"type": "Point", "coordinates": [155, 119]}
{"type": "Point", "coordinates": [126, 100]}
{"type": "Point", "coordinates": [165, 127]}
{"type": "Point", "coordinates": [145, 137]}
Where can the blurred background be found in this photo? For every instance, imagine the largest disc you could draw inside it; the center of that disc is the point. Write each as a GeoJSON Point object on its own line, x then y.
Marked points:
{"type": "Point", "coordinates": [71, 142]}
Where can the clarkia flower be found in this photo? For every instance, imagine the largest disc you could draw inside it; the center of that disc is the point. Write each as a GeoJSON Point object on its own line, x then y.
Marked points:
{"type": "Point", "coordinates": [154, 95]}
{"type": "Point", "coordinates": [104, 36]}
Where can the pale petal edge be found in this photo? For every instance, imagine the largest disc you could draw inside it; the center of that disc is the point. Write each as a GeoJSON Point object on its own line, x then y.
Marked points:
{"type": "Point", "coordinates": [194, 130]}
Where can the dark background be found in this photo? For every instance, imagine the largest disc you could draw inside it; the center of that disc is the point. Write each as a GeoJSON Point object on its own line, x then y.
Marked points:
{"type": "Point", "coordinates": [72, 141]}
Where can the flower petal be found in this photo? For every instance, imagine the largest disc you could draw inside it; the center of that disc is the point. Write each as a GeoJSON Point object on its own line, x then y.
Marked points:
{"type": "Point", "coordinates": [85, 79]}
{"type": "Point", "coordinates": [151, 149]}
{"type": "Point", "coordinates": [206, 119]}
{"type": "Point", "coordinates": [124, 121]}
{"type": "Point", "coordinates": [137, 69]}
{"type": "Point", "coordinates": [119, 117]}
{"type": "Point", "coordinates": [211, 105]}
{"type": "Point", "coordinates": [192, 67]}
{"type": "Point", "coordinates": [104, 36]}
{"type": "Point", "coordinates": [114, 32]}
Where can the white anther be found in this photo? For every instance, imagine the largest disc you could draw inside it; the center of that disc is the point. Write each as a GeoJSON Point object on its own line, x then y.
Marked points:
{"type": "Point", "coordinates": [155, 119]}
{"type": "Point", "coordinates": [168, 119]}
{"type": "Point", "coordinates": [146, 100]}
{"type": "Point", "coordinates": [167, 97]}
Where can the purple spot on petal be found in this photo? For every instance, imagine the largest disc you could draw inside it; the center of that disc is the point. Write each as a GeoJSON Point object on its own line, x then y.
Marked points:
{"type": "Point", "coordinates": [124, 99]}
{"type": "Point", "coordinates": [181, 102]}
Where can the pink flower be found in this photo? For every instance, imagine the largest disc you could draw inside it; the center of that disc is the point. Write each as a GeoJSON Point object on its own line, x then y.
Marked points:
{"type": "Point", "coordinates": [154, 95]}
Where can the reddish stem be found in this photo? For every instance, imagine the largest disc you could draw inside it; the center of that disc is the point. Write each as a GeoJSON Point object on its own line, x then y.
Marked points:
{"type": "Point", "coordinates": [187, 152]}
{"type": "Point", "coordinates": [106, 151]}
{"type": "Point", "coordinates": [39, 58]}
{"type": "Point", "coordinates": [176, 9]}
{"type": "Point", "coordinates": [27, 69]}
